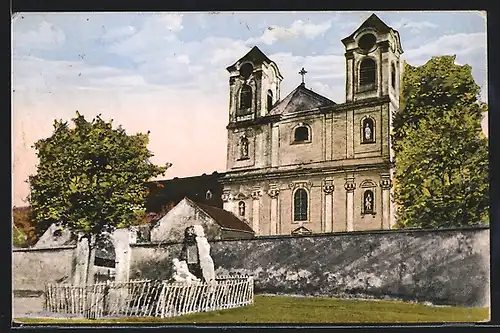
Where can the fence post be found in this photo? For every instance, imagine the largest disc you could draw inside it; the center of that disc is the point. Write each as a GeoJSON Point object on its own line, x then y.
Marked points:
{"type": "Point", "coordinates": [105, 301]}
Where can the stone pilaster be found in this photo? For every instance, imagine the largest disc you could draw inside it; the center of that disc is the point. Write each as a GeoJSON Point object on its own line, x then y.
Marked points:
{"type": "Point", "coordinates": [386, 185]}
{"type": "Point", "coordinates": [350, 186]}
{"type": "Point", "coordinates": [328, 190]}
{"type": "Point", "coordinates": [256, 194]}
{"type": "Point", "coordinates": [81, 261]}
{"type": "Point", "coordinates": [275, 215]}
{"type": "Point", "coordinates": [350, 133]}
{"type": "Point", "coordinates": [275, 145]}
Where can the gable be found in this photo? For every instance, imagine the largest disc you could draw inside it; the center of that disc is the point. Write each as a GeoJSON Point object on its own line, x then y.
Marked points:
{"type": "Point", "coordinates": [372, 22]}
{"type": "Point", "coordinates": [301, 231]}
{"type": "Point", "coordinates": [171, 227]}
{"type": "Point", "coordinates": [255, 55]}
{"type": "Point", "coordinates": [300, 99]}
{"type": "Point", "coordinates": [55, 236]}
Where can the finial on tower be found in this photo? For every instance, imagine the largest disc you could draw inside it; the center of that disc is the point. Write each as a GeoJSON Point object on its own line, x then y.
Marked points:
{"type": "Point", "coordinates": [303, 72]}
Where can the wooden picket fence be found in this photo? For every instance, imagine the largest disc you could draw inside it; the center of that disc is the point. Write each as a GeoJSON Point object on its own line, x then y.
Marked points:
{"type": "Point", "coordinates": [147, 298]}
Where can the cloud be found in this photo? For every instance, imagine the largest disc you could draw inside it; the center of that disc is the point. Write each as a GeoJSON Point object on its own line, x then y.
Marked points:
{"type": "Point", "coordinates": [414, 26]}
{"type": "Point", "coordinates": [119, 32]}
{"type": "Point", "coordinates": [462, 44]}
{"type": "Point", "coordinates": [47, 36]}
{"type": "Point", "coordinates": [157, 30]}
{"type": "Point", "coordinates": [35, 74]}
{"type": "Point", "coordinates": [297, 29]}
{"type": "Point", "coordinates": [323, 71]}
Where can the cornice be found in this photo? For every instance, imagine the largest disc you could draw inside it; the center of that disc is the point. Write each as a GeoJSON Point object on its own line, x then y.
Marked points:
{"type": "Point", "coordinates": [374, 101]}
{"type": "Point", "coordinates": [255, 122]}
{"type": "Point", "coordinates": [320, 170]}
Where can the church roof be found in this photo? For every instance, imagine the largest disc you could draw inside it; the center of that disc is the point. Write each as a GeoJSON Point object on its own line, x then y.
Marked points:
{"type": "Point", "coordinates": [372, 22]}
{"type": "Point", "coordinates": [172, 191]}
{"type": "Point", "coordinates": [256, 56]}
{"type": "Point", "coordinates": [224, 218]}
{"type": "Point", "coordinates": [300, 99]}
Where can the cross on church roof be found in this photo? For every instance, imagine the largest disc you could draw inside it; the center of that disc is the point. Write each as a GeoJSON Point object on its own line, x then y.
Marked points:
{"type": "Point", "coordinates": [303, 72]}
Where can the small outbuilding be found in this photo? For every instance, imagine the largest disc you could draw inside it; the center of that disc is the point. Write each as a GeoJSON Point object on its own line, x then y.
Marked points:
{"type": "Point", "coordinates": [218, 223]}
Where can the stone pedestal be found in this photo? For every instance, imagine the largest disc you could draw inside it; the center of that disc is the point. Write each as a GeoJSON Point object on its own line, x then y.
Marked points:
{"type": "Point", "coordinates": [350, 186]}
{"type": "Point", "coordinates": [328, 189]}
{"type": "Point", "coordinates": [274, 229]}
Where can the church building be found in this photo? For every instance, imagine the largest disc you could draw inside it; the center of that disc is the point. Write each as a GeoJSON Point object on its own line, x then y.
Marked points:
{"type": "Point", "coordinates": [304, 163]}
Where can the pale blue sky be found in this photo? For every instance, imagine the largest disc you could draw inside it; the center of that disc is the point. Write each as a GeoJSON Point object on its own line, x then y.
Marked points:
{"type": "Point", "coordinates": [166, 72]}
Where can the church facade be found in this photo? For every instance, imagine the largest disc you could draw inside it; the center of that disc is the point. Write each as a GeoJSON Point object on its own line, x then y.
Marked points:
{"type": "Point", "coordinates": [304, 163]}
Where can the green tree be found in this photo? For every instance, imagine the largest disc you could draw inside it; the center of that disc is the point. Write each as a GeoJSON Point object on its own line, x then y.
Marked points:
{"type": "Point", "coordinates": [90, 178]}
{"type": "Point", "coordinates": [19, 237]}
{"type": "Point", "coordinates": [441, 168]}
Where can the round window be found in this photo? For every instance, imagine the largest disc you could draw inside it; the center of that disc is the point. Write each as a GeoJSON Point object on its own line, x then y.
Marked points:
{"type": "Point", "coordinates": [366, 42]}
{"type": "Point", "coordinates": [246, 70]}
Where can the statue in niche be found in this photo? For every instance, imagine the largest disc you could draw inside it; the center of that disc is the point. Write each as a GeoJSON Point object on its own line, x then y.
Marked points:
{"type": "Point", "coordinates": [206, 262]}
{"type": "Point", "coordinates": [241, 208]}
{"type": "Point", "coordinates": [368, 131]}
{"type": "Point", "coordinates": [182, 273]}
{"type": "Point", "coordinates": [244, 147]}
{"type": "Point", "coordinates": [368, 202]}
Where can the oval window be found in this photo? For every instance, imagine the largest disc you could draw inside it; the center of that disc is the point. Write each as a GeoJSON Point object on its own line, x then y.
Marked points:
{"type": "Point", "coordinates": [366, 42]}
{"type": "Point", "coordinates": [246, 70]}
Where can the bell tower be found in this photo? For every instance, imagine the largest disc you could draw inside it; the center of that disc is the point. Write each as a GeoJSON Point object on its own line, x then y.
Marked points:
{"type": "Point", "coordinates": [254, 86]}
{"type": "Point", "coordinates": [373, 61]}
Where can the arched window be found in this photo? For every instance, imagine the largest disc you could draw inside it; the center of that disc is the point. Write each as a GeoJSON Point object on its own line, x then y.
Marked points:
{"type": "Point", "coordinates": [367, 71]}
{"type": "Point", "coordinates": [301, 134]}
{"type": "Point", "coordinates": [208, 195]}
{"type": "Point", "coordinates": [367, 130]}
{"type": "Point", "coordinates": [368, 202]}
{"type": "Point", "coordinates": [269, 100]}
{"type": "Point", "coordinates": [300, 202]}
{"type": "Point", "coordinates": [243, 148]}
{"type": "Point", "coordinates": [245, 98]}
{"type": "Point", "coordinates": [393, 76]}
{"type": "Point", "coordinates": [241, 208]}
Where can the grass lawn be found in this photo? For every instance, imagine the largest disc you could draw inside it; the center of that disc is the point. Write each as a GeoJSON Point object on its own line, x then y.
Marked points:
{"type": "Point", "coordinates": [284, 309]}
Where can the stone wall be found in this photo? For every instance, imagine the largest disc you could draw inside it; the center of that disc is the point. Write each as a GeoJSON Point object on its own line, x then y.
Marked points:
{"type": "Point", "coordinates": [33, 268]}
{"type": "Point", "coordinates": [449, 267]}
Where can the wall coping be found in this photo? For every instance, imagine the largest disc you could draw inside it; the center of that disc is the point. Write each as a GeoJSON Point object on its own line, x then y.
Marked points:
{"type": "Point", "coordinates": [329, 234]}
{"type": "Point", "coordinates": [33, 249]}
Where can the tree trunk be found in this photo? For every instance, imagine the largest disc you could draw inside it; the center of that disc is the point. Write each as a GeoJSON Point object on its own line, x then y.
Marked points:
{"type": "Point", "coordinates": [89, 278]}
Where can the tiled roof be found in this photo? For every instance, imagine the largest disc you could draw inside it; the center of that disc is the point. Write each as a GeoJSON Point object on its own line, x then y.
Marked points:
{"type": "Point", "coordinates": [171, 192]}
{"type": "Point", "coordinates": [300, 99]}
{"type": "Point", "coordinates": [224, 218]}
